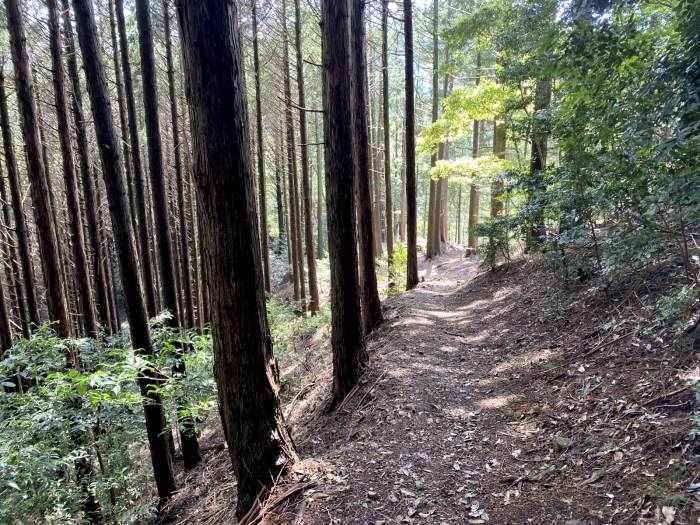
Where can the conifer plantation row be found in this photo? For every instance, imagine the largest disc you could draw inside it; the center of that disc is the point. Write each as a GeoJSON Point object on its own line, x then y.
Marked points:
{"type": "Point", "coordinates": [189, 188]}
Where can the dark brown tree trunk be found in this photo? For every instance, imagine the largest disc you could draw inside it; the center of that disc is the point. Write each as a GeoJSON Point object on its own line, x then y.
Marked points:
{"type": "Point", "coordinates": [20, 227]}
{"type": "Point", "coordinates": [473, 188]}
{"type": "Point", "coordinates": [124, 129]}
{"type": "Point", "coordinates": [244, 364]}
{"type": "Point", "coordinates": [64, 134]}
{"type": "Point", "coordinates": [190, 446]}
{"type": "Point", "coordinates": [319, 194]}
{"type": "Point", "coordinates": [294, 234]}
{"type": "Point", "coordinates": [139, 182]}
{"type": "Point", "coordinates": [279, 194]}
{"type": "Point", "coordinates": [402, 214]}
{"type": "Point", "coordinates": [412, 260]}
{"type": "Point", "coordinates": [433, 237]}
{"type": "Point", "coordinates": [116, 193]}
{"type": "Point", "coordinates": [538, 160]}
{"type": "Point", "coordinates": [349, 354]}
{"type": "Point", "coordinates": [187, 309]}
{"type": "Point", "coordinates": [369, 295]}
{"type": "Point", "coordinates": [44, 215]}
{"type": "Point", "coordinates": [88, 186]}
{"type": "Point", "coordinates": [305, 184]}
{"type": "Point", "coordinates": [5, 330]}
{"type": "Point", "coordinates": [387, 142]}
{"type": "Point", "coordinates": [261, 157]}
{"type": "Point", "coordinates": [18, 208]}
{"type": "Point", "coordinates": [499, 150]}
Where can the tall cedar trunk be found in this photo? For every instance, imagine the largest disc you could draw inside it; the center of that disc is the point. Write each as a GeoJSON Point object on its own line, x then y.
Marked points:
{"type": "Point", "coordinates": [17, 208]}
{"type": "Point", "coordinates": [349, 354]}
{"type": "Point", "coordinates": [538, 159]}
{"type": "Point", "coordinates": [387, 143]}
{"type": "Point", "coordinates": [295, 249]}
{"type": "Point", "coordinates": [5, 330]}
{"type": "Point", "coordinates": [369, 295]}
{"type": "Point", "coordinates": [499, 150]}
{"type": "Point", "coordinates": [44, 214]}
{"type": "Point", "coordinates": [185, 277]}
{"type": "Point", "coordinates": [190, 446]}
{"type": "Point", "coordinates": [433, 237]}
{"type": "Point", "coordinates": [139, 182]}
{"type": "Point", "coordinates": [100, 257]}
{"type": "Point", "coordinates": [261, 157]}
{"type": "Point", "coordinates": [473, 188]}
{"type": "Point", "coordinates": [305, 184]}
{"type": "Point", "coordinates": [402, 213]}
{"type": "Point", "coordinates": [411, 218]}
{"type": "Point", "coordinates": [116, 193]}
{"type": "Point", "coordinates": [64, 134]}
{"type": "Point", "coordinates": [373, 161]}
{"type": "Point", "coordinates": [244, 365]}
{"type": "Point", "coordinates": [86, 178]}
{"type": "Point", "coordinates": [15, 272]}
{"type": "Point", "coordinates": [442, 185]}
{"type": "Point", "coordinates": [279, 195]}
{"type": "Point", "coordinates": [458, 217]}
{"type": "Point", "coordinates": [121, 106]}
{"type": "Point", "coordinates": [319, 194]}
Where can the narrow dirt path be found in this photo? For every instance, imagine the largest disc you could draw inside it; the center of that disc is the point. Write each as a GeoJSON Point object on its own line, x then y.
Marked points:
{"type": "Point", "coordinates": [405, 453]}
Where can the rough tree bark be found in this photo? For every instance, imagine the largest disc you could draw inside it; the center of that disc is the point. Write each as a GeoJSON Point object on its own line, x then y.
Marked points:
{"type": "Point", "coordinates": [244, 365]}
{"type": "Point", "coordinates": [473, 188]}
{"type": "Point", "coordinates": [43, 211]}
{"type": "Point", "coordinates": [433, 237]}
{"type": "Point", "coordinates": [369, 295]}
{"type": "Point", "coordinates": [305, 185]}
{"type": "Point", "coordinates": [349, 354]}
{"type": "Point", "coordinates": [411, 219]}
{"type": "Point", "coordinates": [116, 193]}
{"type": "Point", "coordinates": [319, 193]}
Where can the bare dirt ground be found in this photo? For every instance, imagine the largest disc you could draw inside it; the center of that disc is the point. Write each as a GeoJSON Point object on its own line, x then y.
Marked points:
{"type": "Point", "coordinates": [500, 398]}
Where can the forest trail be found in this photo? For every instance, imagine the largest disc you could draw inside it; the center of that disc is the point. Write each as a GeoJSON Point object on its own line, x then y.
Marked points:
{"type": "Point", "coordinates": [501, 398]}
{"type": "Point", "coordinates": [414, 448]}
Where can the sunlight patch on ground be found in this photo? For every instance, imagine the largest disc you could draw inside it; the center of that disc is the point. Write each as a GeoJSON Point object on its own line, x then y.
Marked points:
{"type": "Point", "coordinates": [495, 402]}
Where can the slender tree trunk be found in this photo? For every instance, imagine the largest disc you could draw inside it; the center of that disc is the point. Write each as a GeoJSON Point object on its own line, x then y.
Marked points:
{"type": "Point", "coordinates": [259, 444]}
{"type": "Point", "coordinates": [499, 150]}
{"type": "Point", "coordinates": [32, 311]}
{"type": "Point", "coordinates": [88, 186]}
{"type": "Point", "coordinates": [387, 142]}
{"type": "Point", "coordinates": [402, 215]}
{"type": "Point", "coordinates": [319, 194]}
{"type": "Point", "coordinates": [116, 193]}
{"type": "Point", "coordinates": [44, 215]}
{"type": "Point", "coordinates": [186, 280]}
{"type": "Point", "coordinates": [279, 195]}
{"type": "Point", "coordinates": [64, 134]}
{"type": "Point", "coordinates": [433, 237]}
{"type": "Point", "coordinates": [349, 354]}
{"type": "Point", "coordinates": [538, 160]}
{"type": "Point", "coordinates": [139, 183]}
{"type": "Point", "coordinates": [412, 260]}
{"type": "Point", "coordinates": [373, 163]}
{"type": "Point", "coordinates": [458, 218]}
{"type": "Point", "coordinates": [473, 188]}
{"type": "Point", "coordinates": [305, 184]}
{"type": "Point", "coordinates": [261, 154]}
{"type": "Point", "coordinates": [294, 234]}
{"type": "Point", "coordinates": [369, 295]}
{"type": "Point", "coordinates": [190, 446]}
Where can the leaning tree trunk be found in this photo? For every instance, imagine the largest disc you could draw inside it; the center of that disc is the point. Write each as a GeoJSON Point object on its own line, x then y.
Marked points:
{"type": "Point", "coordinates": [116, 193]}
{"type": "Point", "coordinates": [244, 364]}
{"type": "Point", "coordinates": [64, 135]}
{"type": "Point", "coordinates": [411, 219]}
{"type": "Point", "coordinates": [17, 208]}
{"type": "Point", "coordinates": [369, 295]}
{"type": "Point", "coordinates": [261, 157]}
{"type": "Point", "coordinates": [349, 354]}
{"type": "Point", "coordinates": [305, 185]}
{"type": "Point", "coordinates": [43, 211]}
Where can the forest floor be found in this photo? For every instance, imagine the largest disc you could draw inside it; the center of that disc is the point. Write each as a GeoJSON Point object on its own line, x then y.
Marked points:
{"type": "Point", "coordinates": [499, 397]}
